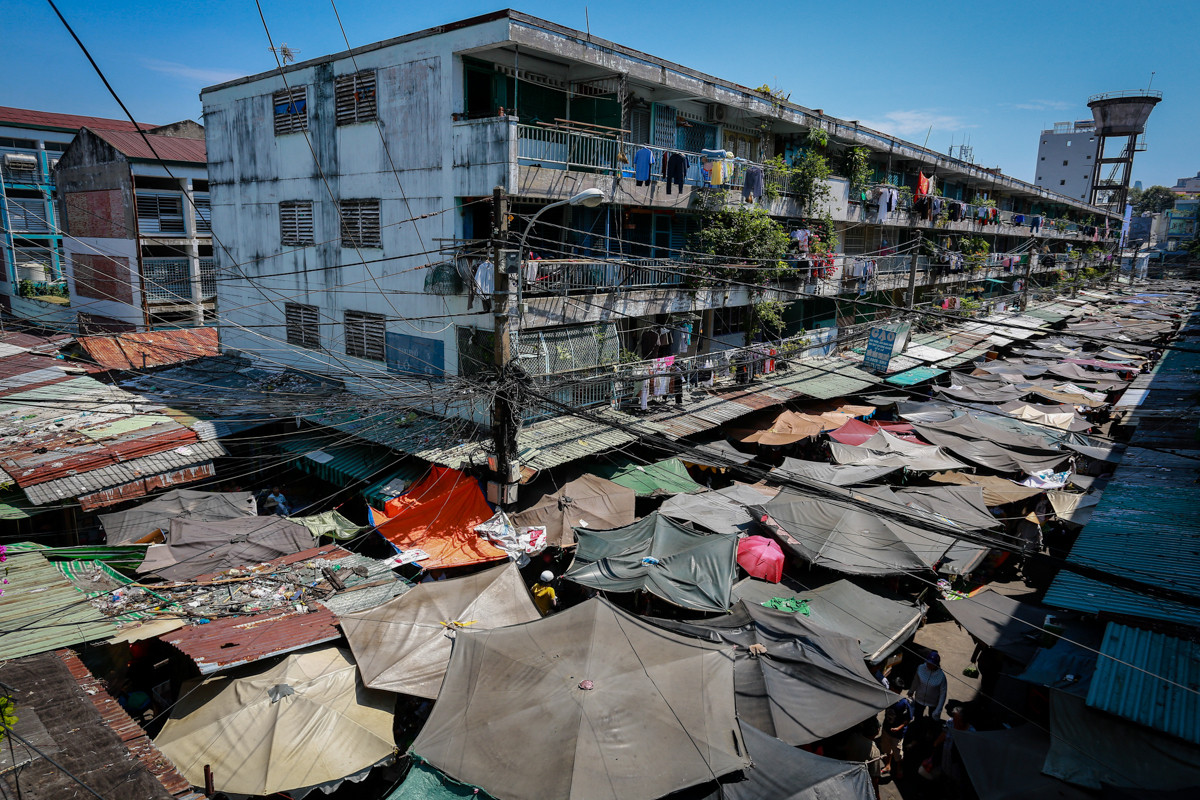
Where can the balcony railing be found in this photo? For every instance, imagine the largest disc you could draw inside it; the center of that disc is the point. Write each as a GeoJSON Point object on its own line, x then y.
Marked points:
{"type": "Point", "coordinates": [560, 276]}
{"type": "Point", "coordinates": [169, 280]}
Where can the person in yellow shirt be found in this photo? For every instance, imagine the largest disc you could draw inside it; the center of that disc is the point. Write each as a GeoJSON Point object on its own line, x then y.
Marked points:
{"type": "Point", "coordinates": [544, 596]}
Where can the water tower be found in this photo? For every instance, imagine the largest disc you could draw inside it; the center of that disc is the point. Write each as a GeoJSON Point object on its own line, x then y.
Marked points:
{"type": "Point", "coordinates": [1120, 121]}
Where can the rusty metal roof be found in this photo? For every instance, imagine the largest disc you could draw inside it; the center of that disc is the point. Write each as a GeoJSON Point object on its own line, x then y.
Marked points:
{"type": "Point", "coordinates": [49, 120]}
{"type": "Point", "coordinates": [130, 351]}
{"type": "Point", "coordinates": [132, 735]}
{"type": "Point", "coordinates": [235, 641]}
{"type": "Point", "coordinates": [131, 144]}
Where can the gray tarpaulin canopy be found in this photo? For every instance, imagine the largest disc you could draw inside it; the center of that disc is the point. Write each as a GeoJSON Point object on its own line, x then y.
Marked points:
{"type": "Point", "coordinates": [718, 454]}
{"type": "Point", "coordinates": [1007, 765]}
{"type": "Point", "coordinates": [991, 394]}
{"type": "Point", "coordinates": [879, 625]}
{"type": "Point", "coordinates": [1022, 431]}
{"type": "Point", "coordinates": [1074, 507]}
{"type": "Point", "coordinates": [832, 474]}
{"type": "Point", "coordinates": [996, 491]}
{"type": "Point", "coordinates": [721, 511]}
{"type": "Point", "coordinates": [687, 567]}
{"type": "Point", "coordinates": [885, 450]}
{"type": "Point", "coordinates": [589, 704]}
{"type": "Point", "coordinates": [589, 501]}
{"type": "Point", "coordinates": [992, 446]}
{"type": "Point", "coordinates": [963, 505]}
{"type": "Point", "coordinates": [850, 536]}
{"type": "Point", "coordinates": [404, 645]}
{"type": "Point", "coordinates": [811, 683]}
{"type": "Point", "coordinates": [1010, 626]}
{"type": "Point", "coordinates": [196, 548]}
{"type": "Point", "coordinates": [126, 527]}
{"type": "Point", "coordinates": [781, 772]}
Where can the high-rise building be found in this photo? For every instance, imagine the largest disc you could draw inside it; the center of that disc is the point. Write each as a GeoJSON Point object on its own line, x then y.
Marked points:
{"type": "Point", "coordinates": [1066, 157]}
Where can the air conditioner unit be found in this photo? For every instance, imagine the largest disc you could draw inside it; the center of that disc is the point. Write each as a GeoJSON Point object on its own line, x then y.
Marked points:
{"type": "Point", "coordinates": [716, 112]}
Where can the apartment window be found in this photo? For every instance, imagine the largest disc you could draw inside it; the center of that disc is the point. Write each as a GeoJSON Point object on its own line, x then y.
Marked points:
{"type": "Point", "coordinates": [303, 325]}
{"type": "Point", "coordinates": [1089, 158]}
{"type": "Point", "coordinates": [203, 213]}
{"type": "Point", "coordinates": [291, 110]}
{"type": "Point", "coordinates": [296, 223]}
{"type": "Point", "coordinates": [365, 335]}
{"type": "Point", "coordinates": [1062, 182]}
{"type": "Point", "coordinates": [1043, 158]}
{"type": "Point", "coordinates": [1064, 162]}
{"type": "Point", "coordinates": [360, 223]}
{"type": "Point", "coordinates": [354, 97]}
{"type": "Point", "coordinates": [160, 213]}
{"type": "Point", "coordinates": [1068, 142]}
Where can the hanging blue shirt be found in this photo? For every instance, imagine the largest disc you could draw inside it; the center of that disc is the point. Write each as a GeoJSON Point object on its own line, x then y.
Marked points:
{"type": "Point", "coordinates": [643, 159]}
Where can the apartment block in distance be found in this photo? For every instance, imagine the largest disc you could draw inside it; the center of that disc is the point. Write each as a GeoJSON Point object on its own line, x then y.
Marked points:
{"type": "Point", "coordinates": [139, 250]}
{"type": "Point", "coordinates": [362, 265]}
{"type": "Point", "coordinates": [1066, 156]}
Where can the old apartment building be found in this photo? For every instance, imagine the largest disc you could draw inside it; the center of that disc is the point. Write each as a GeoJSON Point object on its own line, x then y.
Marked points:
{"type": "Point", "coordinates": [354, 191]}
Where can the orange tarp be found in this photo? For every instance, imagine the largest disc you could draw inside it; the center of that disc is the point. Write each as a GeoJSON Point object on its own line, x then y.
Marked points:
{"type": "Point", "coordinates": [439, 516]}
{"type": "Point", "coordinates": [793, 426]}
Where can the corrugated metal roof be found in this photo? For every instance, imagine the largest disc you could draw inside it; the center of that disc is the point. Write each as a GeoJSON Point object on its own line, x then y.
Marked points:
{"type": "Point", "coordinates": [376, 587]}
{"type": "Point", "coordinates": [234, 641]}
{"type": "Point", "coordinates": [168, 148]}
{"type": "Point", "coordinates": [914, 376]}
{"type": "Point", "coordinates": [1145, 526]}
{"type": "Point", "coordinates": [824, 378]}
{"type": "Point", "coordinates": [126, 351]}
{"type": "Point", "coordinates": [42, 611]}
{"type": "Point", "coordinates": [134, 471]}
{"type": "Point", "coordinates": [132, 735]}
{"type": "Point", "coordinates": [28, 118]}
{"type": "Point", "coordinates": [1129, 680]}
{"type": "Point", "coordinates": [333, 457]}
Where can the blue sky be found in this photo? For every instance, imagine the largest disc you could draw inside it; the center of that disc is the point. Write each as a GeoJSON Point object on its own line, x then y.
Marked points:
{"type": "Point", "coordinates": [996, 73]}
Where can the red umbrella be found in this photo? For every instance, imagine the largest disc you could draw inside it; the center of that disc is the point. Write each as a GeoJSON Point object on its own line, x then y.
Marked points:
{"type": "Point", "coordinates": [761, 557]}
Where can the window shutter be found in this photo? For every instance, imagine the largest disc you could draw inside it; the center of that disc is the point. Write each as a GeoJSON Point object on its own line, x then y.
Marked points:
{"type": "Point", "coordinates": [354, 97]}
{"type": "Point", "coordinates": [296, 223]}
{"type": "Point", "coordinates": [360, 223]}
{"type": "Point", "coordinates": [303, 325]}
{"type": "Point", "coordinates": [365, 335]}
{"type": "Point", "coordinates": [291, 110]}
{"type": "Point", "coordinates": [203, 213]}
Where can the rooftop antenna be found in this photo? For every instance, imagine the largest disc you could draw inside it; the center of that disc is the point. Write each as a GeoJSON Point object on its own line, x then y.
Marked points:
{"type": "Point", "coordinates": [1148, 85]}
{"type": "Point", "coordinates": [587, 23]}
{"type": "Point", "coordinates": [286, 54]}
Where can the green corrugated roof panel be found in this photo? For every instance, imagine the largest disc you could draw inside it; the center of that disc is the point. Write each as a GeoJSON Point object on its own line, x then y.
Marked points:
{"type": "Point", "coordinates": [914, 376]}
{"type": "Point", "coordinates": [662, 477]}
{"type": "Point", "coordinates": [42, 611]}
{"type": "Point", "coordinates": [331, 457]}
{"type": "Point", "coordinates": [1047, 314]}
{"type": "Point", "coordinates": [1149, 678]}
{"type": "Point", "coordinates": [824, 378]}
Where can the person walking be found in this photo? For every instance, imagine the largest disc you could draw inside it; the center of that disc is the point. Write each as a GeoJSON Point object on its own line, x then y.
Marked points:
{"type": "Point", "coordinates": [895, 722]}
{"type": "Point", "coordinates": [929, 687]}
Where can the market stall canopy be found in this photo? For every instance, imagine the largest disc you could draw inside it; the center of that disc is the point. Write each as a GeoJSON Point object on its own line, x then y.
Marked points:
{"type": "Point", "coordinates": [651, 480]}
{"type": "Point", "coordinates": [781, 772]}
{"type": "Point", "coordinates": [879, 624]}
{"type": "Point", "coordinates": [963, 505]}
{"type": "Point", "coordinates": [852, 536]}
{"type": "Point", "coordinates": [716, 455]}
{"type": "Point", "coordinates": [591, 703]}
{"type": "Point", "coordinates": [721, 511]}
{"type": "Point", "coordinates": [831, 474]}
{"type": "Point", "coordinates": [809, 684]}
{"type": "Point", "coordinates": [992, 446]}
{"type": "Point", "coordinates": [885, 450]}
{"type": "Point", "coordinates": [1009, 625]}
{"type": "Point", "coordinates": [690, 568]}
{"type": "Point", "coordinates": [589, 501]}
{"type": "Point", "coordinates": [1007, 765]}
{"type": "Point", "coordinates": [1073, 506]}
{"type": "Point", "coordinates": [1055, 416]}
{"type": "Point", "coordinates": [438, 516]}
{"type": "Point", "coordinates": [198, 548]}
{"type": "Point", "coordinates": [423, 782]}
{"type": "Point", "coordinates": [126, 527]}
{"type": "Point", "coordinates": [856, 432]}
{"type": "Point", "coordinates": [996, 491]}
{"type": "Point", "coordinates": [789, 427]}
{"type": "Point", "coordinates": [304, 722]}
{"type": "Point", "coordinates": [991, 394]}
{"type": "Point", "coordinates": [404, 645]}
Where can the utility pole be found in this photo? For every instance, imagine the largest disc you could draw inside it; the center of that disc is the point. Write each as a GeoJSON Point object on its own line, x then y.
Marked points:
{"type": "Point", "coordinates": [505, 405]}
{"type": "Point", "coordinates": [912, 271]}
{"type": "Point", "coordinates": [1033, 254]}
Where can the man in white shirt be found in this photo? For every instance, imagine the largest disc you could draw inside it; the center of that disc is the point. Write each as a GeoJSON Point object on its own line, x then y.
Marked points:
{"type": "Point", "coordinates": [929, 687]}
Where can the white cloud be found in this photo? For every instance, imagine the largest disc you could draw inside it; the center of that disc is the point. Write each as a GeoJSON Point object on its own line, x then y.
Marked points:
{"type": "Point", "coordinates": [191, 74]}
{"type": "Point", "coordinates": [913, 121]}
{"type": "Point", "coordinates": [1042, 105]}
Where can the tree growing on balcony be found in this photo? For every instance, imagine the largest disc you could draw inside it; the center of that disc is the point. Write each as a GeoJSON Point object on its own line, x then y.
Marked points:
{"type": "Point", "coordinates": [744, 244]}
